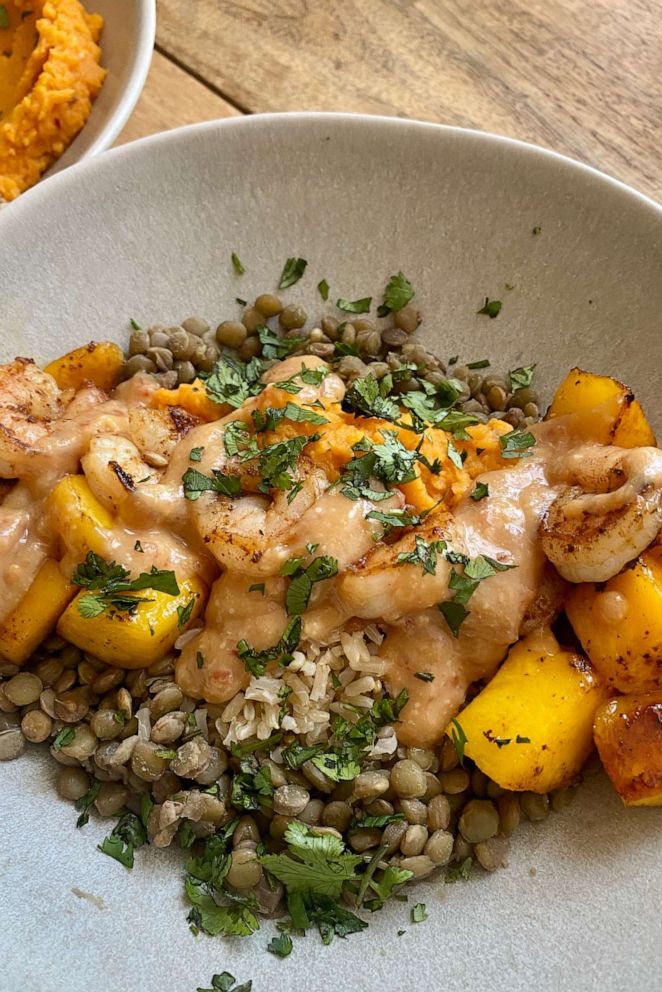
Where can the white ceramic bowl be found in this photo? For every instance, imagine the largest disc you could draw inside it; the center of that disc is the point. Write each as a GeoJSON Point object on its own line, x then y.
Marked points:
{"type": "Point", "coordinates": [127, 44]}
{"type": "Point", "coordinates": [146, 231]}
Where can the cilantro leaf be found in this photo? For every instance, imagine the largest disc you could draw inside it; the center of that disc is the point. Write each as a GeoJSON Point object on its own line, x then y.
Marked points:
{"type": "Point", "coordinates": [323, 288]}
{"type": "Point", "coordinates": [184, 613]}
{"type": "Point", "coordinates": [237, 264]}
{"type": "Point", "coordinates": [134, 323]}
{"type": "Point", "coordinates": [459, 739]}
{"type": "Point", "coordinates": [238, 441]}
{"type": "Point", "coordinates": [110, 588]}
{"type": "Point", "coordinates": [482, 363]}
{"type": "Point", "coordinates": [128, 834]}
{"type": "Point", "coordinates": [375, 821]}
{"type": "Point", "coordinates": [313, 862]}
{"type": "Point", "coordinates": [237, 920]}
{"type": "Point", "coordinates": [275, 347]}
{"type": "Point", "coordinates": [394, 518]}
{"type": "Point", "coordinates": [418, 913]}
{"type": "Point", "coordinates": [196, 483]}
{"type": "Point", "coordinates": [454, 455]}
{"type": "Point", "coordinates": [295, 755]}
{"type": "Point", "coordinates": [276, 462]}
{"type": "Point", "coordinates": [271, 417]}
{"type": "Point", "coordinates": [480, 491]}
{"type": "Point", "coordinates": [522, 377]}
{"type": "Point", "coordinates": [454, 615]}
{"type": "Point", "coordinates": [293, 269]}
{"type": "Point", "coordinates": [515, 444]}
{"type": "Point", "coordinates": [491, 308]}
{"type": "Point", "coordinates": [355, 306]}
{"type": "Point", "coordinates": [223, 983]}
{"type": "Point", "coordinates": [302, 581]}
{"type": "Point", "coordinates": [399, 291]}
{"type": "Point", "coordinates": [232, 382]}
{"type": "Point", "coordinates": [252, 788]}
{"type": "Point", "coordinates": [461, 871]}
{"type": "Point", "coordinates": [257, 661]}
{"type": "Point", "coordinates": [384, 887]}
{"type": "Point", "coordinates": [370, 398]}
{"type": "Point", "coordinates": [195, 454]}
{"type": "Point", "coordinates": [424, 676]}
{"type": "Point", "coordinates": [84, 804]}
{"type": "Point", "coordinates": [281, 946]}
{"type": "Point", "coordinates": [424, 554]}
{"type": "Point", "coordinates": [308, 377]}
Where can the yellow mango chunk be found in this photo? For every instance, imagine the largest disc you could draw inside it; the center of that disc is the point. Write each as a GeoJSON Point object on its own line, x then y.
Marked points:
{"type": "Point", "coordinates": [36, 615]}
{"type": "Point", "coordinates": [628, 735]}
{"type": "Point", "coordinates": [78, 517]}
{"type": "Point", "coordinates": [542, 701]}
{"type": "Point", "coordinates": [602, 409]}
{"type": "Point", "coordinates": [99, 362]}
{"type": "Point", "coordinates": [133, 640]}
{"type": "Point", "coordinates": [619, 625]}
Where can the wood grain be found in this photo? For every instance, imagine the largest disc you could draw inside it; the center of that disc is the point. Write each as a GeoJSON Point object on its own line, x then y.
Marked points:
{"type": "Point", "coordinates": [583, 77]}
{"type": "Point", "coordinates": [172, 97]}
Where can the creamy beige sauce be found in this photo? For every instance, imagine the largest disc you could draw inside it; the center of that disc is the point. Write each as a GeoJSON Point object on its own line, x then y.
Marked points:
{"type": "Point", "coordinates": [235, 543]}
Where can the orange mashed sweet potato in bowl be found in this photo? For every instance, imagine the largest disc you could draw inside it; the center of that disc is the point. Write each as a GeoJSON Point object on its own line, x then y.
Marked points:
{"type": "Point", "coordinates": [49, 77]}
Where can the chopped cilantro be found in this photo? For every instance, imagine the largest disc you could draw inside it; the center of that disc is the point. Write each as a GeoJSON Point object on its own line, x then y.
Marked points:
{"type": "Point", "coordinates": [522, 377]}
{"type": "Point", "coordinates": [370, 398]}
{"type": "Point", "coordinates": [195, 454]}
{"type": "Point", "coordinates": [313, 863]}
{"type": "Point", "coordinates": [281, 946]}
{"type": "Point", "coordinates": [138, 547]}
{"type": "Point", "coordinates": [378, 822]}
{"type": "Point", "coordinates": [251, 786]}
{"type": "Point", "coordinates": [465, 584]}
{"type": "Point", "coordinates": [275, 347]}
{"type": "Point", "coordinates": [323, 288]}
{"type": "Point", "coordinates": [424, 554]}
{"type": "Point", "coordinates": [491, 308]}
{"type": "Point", "coordinates": [257, 661]}
{"type": "Point", "coordinates": [293, 269]}
{"type": "Point", "coordinates": [238, 442]}
{"type": "Point", "coordinates": [459, 739]}
{"type": "Point", "coordinates": [249, 747]}
{"type": "Point", "coordinates": [355, 306]}
{"type": "Point", "coordinates": [271, 417]}
{"type": "Point", "coordinates": [110, 588]}
{"type": "Point", "coordinates": [303, 579]}
{"type": "Point", "coordinates": [418, 913]}
{"type": "Point", "coordinates": [196, 483]}
{"type": "Point", "coordinates": [199, 659]}
{"type": "Point", "coordinates": [224, 983]}
{"type": "Point", "coordinates": [257, 587]}
{"type": "Point", "coordinates": [536, 230]}
{"type": "Point", "coordinates": [461, 871]}
{"type": "Point", "coordinates": [341, 348]}
{"type": "Point", "coordinates": [425, 676]}
{"type": "Point", "coordinates": [128, 834]}
{"type": "Point", "coordinates": [308, 377]}
{"type": "Point", "coordinates": [454, 615]}
{"type": "Point", "coordinates": [522, 740]}
{"type": "Point", "coordinates": [184, 613]}
{"type": "Point", "coordinates": [480, 491]}
{"type": "Point", "coordinates": [515, 444]}
{"type": "Point", "coordinates": [84, 804]}
{"type": "Point", "coordinates": [237, 264]}
{"type": "Point", "coordinates": [242, 303]}
{"type": "Point", "coordinates": [483, 363]}
{"type": "Point", "coordinates": [399, 291]}
{"type": "Point", "coordinates": [295, 755]}
{"type": "Point", "coordinates": [232, 382]}
{"type": "Point", "coordinates": [394, 518]}
{"type": "Point", "coordinates": [276, 462]}
{"type": "Point", "coordinates": [134, 323]}
{"type": "Point", "coordinates": [454, 455]}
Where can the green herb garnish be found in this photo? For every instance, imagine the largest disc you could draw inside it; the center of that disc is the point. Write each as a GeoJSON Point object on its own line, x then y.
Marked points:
{"type": "Point", "coordinates": [323, 288]}
{"type": "Point", "coordinates": [515, 444]}
{"type": "Point", "coordinates": [491, 308]}
{"type": "Point", "coordinates": [460, 872]}
{"type": "Point", "coordinates": [425, 676]}
{"type": "Point", "coordinates": [275, 347]}
{"type": "Point", "coordinates": [184, 613]}
{"type": "Point", "coordinates": [293, 269]}
{"type": "Point", "coordinates": [399, 291]}
{"type": "Point", "coordinates": [355, 306]}
{"type": "Point", "coordinates": [225, 983]}
{"type": "Point", "coordinates": [483, 363]}
{"type": "Point", "coordinates": [232, 382]}
{"type": "Point", "coordinates": [195, 454]}
{"type": "Point", "coordinates": [272, 416]}
{"type": "Point", "coordinates": [134, 323]}
{"type": "Point", "coordinates": [237, 264]}
{"type": "Point", "coordinates": [459, 739]}
{"type": "Point", "coordinates": [303, 579]}
{"type": "Point", "coordinates": [424, 554]}
{"type": "Point", "coordinates": [128, 834]}
{"type": "Point", "coordinates": [480, 491]}
{"type": "Point", "coordinates": [418, 913]}
{"type": "Point", "coordinates": [370, 397]}
{"type": "Point", "coordinates": [196, 483]}
{"type": "Point", "coordinates": [256, 661]}
{"type": "Point", "coordinates": [110, 588]}
{"type": "Point", "coordinates": [85, 803]}
{"type": "Point", "coordinates": [522, 377]}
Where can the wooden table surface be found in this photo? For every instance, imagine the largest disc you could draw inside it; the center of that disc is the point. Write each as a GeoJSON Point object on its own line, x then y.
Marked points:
{"type": "Point", "coordinates": [583, 77]}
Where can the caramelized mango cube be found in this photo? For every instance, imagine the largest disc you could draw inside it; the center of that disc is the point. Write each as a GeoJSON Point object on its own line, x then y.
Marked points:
{"type": "Point", "coordinates": [603, 410]}
{"type": "Point", "coordinates": [78, 517]}
{"type": "Point", "coordinates": [133, 640]}
{"type": "Point", "coordinates": [628, 735]}
{"type": "Point", "coordinates": [99, 363]}
{"type": "Point", "coordinates": [619, 624]}
{"type": "Point", "coordinates": [36, 615]}
{"type": "Point", "coordinates": [531, 727]}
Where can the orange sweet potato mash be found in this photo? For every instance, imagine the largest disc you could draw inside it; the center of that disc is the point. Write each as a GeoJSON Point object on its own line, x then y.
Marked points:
{"type": "Point", "coordinates": [49, 77]}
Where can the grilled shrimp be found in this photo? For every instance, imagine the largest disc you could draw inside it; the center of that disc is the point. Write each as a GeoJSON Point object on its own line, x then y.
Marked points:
{"type": "Point", "coordinates": [609, 512]}
{"type": "Point", "coordinates": [504, 527]}
{"type": "Point", "coordinates": [112, 467]}
{"type": "Point", "coordinates": [30, 400]}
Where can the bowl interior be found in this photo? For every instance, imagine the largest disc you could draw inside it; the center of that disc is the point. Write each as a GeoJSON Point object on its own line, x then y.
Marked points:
{"type": "Point", "coordinates": [126, 51]}
{"type": "Point", "coordinates": [147, 232]}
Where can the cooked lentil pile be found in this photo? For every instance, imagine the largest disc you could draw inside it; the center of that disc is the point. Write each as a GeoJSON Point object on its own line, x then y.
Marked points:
{"type": "Point", "coordinates": [284, 814]}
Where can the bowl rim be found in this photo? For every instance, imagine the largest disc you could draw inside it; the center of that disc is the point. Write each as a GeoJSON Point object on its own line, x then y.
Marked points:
{"type": "Point", "coordinates": [91, 160]}
{"type": "Point", "coordinates": [141, 62]}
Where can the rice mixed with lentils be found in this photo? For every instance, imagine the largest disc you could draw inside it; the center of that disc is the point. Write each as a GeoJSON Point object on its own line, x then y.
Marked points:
{"type": "Point", "coordinates": [300, 776]}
